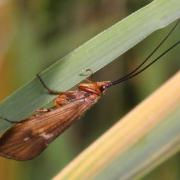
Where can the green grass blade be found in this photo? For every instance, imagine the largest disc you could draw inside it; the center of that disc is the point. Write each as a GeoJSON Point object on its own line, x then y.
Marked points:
{"type": "Point", "coordinates": [94, 54]}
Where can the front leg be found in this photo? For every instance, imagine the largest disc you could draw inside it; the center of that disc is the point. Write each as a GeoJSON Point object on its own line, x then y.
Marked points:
{"type": "Point", "coordinates": [65, 98]}
{"type": "Point", "coordinates": [41, 111]}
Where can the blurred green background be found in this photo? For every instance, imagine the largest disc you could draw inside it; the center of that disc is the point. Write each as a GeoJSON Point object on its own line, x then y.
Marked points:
{"type": "Point", "coordinates": [34, 34]}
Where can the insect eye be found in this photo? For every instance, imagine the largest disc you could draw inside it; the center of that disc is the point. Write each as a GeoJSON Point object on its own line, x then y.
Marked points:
{"type": "Point", "coordinates": [103, 88]}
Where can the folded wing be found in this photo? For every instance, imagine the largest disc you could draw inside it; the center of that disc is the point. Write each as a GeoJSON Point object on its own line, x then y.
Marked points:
{"type": "Point", "coordinates": [30, 137]}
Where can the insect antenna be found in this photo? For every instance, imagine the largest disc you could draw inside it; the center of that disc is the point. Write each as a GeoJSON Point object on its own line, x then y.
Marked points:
{"type": "Point", "coordinates": [139, 68]}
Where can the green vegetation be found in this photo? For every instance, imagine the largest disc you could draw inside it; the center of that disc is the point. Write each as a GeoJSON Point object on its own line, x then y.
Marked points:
{"type": "Point", "coordinates": [47, 30]}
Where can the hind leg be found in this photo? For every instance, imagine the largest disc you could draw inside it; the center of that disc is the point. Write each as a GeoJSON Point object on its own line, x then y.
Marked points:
{"type": "Point", "coordinates": [50, 91]}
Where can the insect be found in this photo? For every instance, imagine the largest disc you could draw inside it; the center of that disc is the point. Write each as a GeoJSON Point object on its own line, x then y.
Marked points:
{"type": "Point", "coordinates": [28, 138]}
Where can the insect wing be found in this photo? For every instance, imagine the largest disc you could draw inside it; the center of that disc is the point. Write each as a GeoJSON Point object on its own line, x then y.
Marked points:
{"type": "Point", "coordinates": [27, 139]}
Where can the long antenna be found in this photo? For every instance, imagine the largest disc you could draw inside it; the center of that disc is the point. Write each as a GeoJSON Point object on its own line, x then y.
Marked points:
{"type": "Point", "coordinates": [143, 69]}
{"type": "Point", "coordinates": [138, 69]}
{"type": "Point", "coordinates": [151, 54]}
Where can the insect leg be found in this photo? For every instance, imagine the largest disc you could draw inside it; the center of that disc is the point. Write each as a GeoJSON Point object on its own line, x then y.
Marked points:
{"type": "Point", "coordinates": [50, 91]}
{"type": "Point", "coordinates": [87, 72]}
{"type": "Point", "coordinates": [9, 121]}
{"type": "Point", "coordinates": [64, 98]}
{"type": "Point", "coordinates": [42, 110]}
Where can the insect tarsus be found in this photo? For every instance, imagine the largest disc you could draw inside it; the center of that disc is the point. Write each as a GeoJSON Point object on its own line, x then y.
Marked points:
{"type": "Point", "coordinates": [50, 91]}
{"type": "Point", "coordinates": [9, 121]}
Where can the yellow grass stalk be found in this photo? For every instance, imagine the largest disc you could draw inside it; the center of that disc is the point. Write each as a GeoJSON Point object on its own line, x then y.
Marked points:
{"type": "Point", "coordinates": [149, 118]}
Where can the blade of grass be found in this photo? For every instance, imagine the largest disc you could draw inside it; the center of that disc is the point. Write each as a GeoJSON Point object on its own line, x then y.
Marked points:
{"type": "Point", "coordinates": [94, 54]}
{"type": "Point", "coordinates": [154, 148]}
{"type": "Point", "coordinates": [141, 140]}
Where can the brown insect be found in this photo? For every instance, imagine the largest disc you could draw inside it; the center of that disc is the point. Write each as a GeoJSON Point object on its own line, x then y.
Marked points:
{"type": "Point", "coordinates": [27, 139]}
